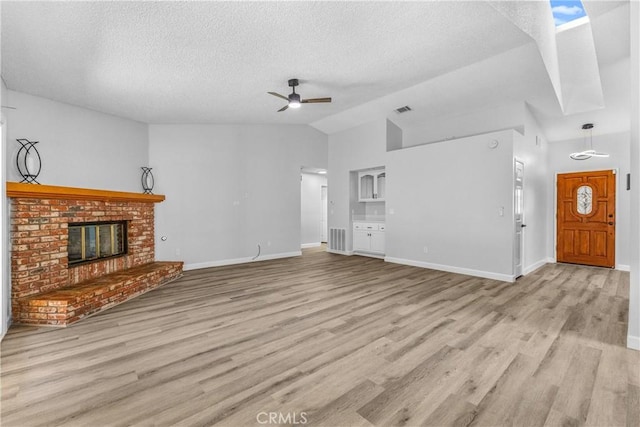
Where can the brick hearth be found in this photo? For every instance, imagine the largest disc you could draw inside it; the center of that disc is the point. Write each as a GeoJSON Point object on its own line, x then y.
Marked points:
{"type": "Point", "coordinates": [69, 304]}
{"type": "Point", "coordinates": [39, 235]}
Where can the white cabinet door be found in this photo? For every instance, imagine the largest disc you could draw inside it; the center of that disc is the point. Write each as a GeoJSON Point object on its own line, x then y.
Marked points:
{"type": "Point", "coordinates": [361, 240]}
{"type": "Point", "coordinates": [366, 184]}
{"type": "Point", "coordinates": [369, 237]}
{"type": "Point", "coordinates": [372, 185]}
{"type": "Point", "coordinates": [380, 186]}
{"type": "Point", "coordinates": [377, 241]}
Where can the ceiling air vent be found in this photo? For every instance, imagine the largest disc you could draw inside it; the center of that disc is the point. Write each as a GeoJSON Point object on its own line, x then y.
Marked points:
{"type": "Point", "coordinates": [402, 109]}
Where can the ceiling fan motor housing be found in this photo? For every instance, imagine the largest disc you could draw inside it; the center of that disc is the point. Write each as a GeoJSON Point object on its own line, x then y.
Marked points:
{"type": "Point", "coordinates": [294, 97]}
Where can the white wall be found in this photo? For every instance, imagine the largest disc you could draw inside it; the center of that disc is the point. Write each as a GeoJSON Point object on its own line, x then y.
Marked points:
{"type": "Point", "coordinates": [633, 333]}
{"type": "Point", "coordinates": [531, 149]}
{"type": "Point", "coordinates": [489, 119]}
{"type": "Point", "coordinates": [79, 147]}
{"type": "Point", "coordinates": [445, 196]}
{"type": "Point", "coordinates": [363, 147]}
{"type": "Point", "coordinates": [230, 188]}
{"type": "Point", "coordinates": [448, 197]}
{"type": "Point", "coordinates": [358, 148]}
{"type": "Point", "coordinates": [617, 145]}
{"type": "Point", "coordinates": [311, 208]}
{"type": "Point", "coordinates": [5, 290]}
{"type": "Point", "coordinates": [395, 137]}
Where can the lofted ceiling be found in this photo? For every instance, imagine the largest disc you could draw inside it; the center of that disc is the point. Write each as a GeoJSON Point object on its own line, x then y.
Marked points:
{"type": "Point", "coordinates": [213, 62]}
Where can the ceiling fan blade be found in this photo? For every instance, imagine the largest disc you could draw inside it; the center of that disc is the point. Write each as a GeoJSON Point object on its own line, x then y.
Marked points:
{"type": "Point", "coordinates": [315, 100]}
{"type": "Point", "coordinates": [278, 95]}
{"type": "Point", "coordinates": [283, 108]}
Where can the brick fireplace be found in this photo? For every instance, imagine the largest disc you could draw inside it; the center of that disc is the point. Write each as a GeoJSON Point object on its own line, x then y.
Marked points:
{"type": "Point", "coordinates": [45, 290]}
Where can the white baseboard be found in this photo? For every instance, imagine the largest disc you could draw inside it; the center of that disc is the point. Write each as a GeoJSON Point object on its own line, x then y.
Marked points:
{"type": "Point", "coordinates": [369, 254]}
{"type": "Point", "coordinates": [310, 245]}
{"type": "Point", "coordinates": [633, 342]}
{"type": "Point", "coordinates": [7, 326]}
{"type": "Point", "coordinates": [453, 269]}
{"type": "Point", "coordinates": [220, 263]}
{"type": "Point", "coordinates": [536, 265]}
{"type": "Point", "coordinates": [333, 251]}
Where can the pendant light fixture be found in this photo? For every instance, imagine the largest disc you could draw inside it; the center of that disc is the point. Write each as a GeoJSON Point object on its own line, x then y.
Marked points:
{"type": "Point", "coordinates": [589, 152]}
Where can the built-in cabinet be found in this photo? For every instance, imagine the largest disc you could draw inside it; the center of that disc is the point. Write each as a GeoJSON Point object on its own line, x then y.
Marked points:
{"type": "Point", "coordinates": [371, 185]}
{"type": "Point", "coordinates": [369, 237]}
{"type": "Point", "coordinates": [368, 212]}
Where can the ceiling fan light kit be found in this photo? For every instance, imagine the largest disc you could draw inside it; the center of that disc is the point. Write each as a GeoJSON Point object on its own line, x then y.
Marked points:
{"type": "Point", "coordinates": [587, 154]}
{"type": "Point", "coordinates": [294, 100]}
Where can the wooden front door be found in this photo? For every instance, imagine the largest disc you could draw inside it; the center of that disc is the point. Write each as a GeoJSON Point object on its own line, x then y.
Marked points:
{"type": "Point", "coordinates": [586, 218]}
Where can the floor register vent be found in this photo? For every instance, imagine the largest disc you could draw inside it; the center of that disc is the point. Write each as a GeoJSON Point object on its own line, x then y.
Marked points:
{"type": "Point", "coordinates": [337, 239]}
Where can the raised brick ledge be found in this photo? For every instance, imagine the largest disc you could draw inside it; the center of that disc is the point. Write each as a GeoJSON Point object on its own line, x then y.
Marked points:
{"type": "Point", "coordinates": [67, 305]}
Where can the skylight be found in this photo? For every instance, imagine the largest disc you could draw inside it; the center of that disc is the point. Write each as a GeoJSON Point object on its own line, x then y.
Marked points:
{"type": "Point", "coordinates": [565, 11]}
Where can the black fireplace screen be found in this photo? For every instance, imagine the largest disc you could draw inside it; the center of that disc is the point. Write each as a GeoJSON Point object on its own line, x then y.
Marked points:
{"type": "Point", "coordinates": [95, 241]}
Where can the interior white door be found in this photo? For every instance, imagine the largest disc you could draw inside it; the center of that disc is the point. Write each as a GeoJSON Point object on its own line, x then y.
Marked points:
{"type": "Point", "coordinates": [323, 221]}
{"type": "Point", "coordinates": [518, 215]}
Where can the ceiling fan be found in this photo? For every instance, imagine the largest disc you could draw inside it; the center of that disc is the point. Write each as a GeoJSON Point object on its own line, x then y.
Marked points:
{"type": "Point", "coordinates": [294, 100]}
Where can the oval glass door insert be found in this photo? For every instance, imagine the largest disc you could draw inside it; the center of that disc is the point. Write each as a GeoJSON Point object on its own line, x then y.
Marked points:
{"type": "Point", "coordinates": [585, 203]}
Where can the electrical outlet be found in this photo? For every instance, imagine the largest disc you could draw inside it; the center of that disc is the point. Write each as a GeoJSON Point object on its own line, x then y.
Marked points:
{"type": "Point", "coordinates": [177, 251]}
{"type": "Point", "coordinates": [269, 243]}
{"type": "Point", "coordinates": [425, 249]}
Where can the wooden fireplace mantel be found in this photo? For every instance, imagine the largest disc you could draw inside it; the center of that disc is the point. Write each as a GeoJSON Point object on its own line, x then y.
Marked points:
{"type": "Point", "coordinates": [37, 191]}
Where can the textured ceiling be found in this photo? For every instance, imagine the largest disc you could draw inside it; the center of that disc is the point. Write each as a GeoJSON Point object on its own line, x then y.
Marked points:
{"type": "Point", "coordinates": [200, 62]}
{"type": "Point", "coordinates": [610, 26]}
{"type": "Point", "coordinates": [522, 74]}
{"type": "Point", "coordinates": [213, 62]}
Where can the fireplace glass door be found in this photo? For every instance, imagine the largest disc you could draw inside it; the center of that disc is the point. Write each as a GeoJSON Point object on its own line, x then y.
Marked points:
{"type": "Point", "coordinates": [94, 241]}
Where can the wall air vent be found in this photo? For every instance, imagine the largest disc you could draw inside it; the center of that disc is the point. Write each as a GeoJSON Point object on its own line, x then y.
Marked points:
{"type": "Point", "coordinates": [402, 109]}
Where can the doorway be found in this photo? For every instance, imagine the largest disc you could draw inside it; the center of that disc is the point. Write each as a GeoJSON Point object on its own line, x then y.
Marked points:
{"type": "Point", "coordinates": [585, 218]}
{"type": "Point", "coordinates": [518, 215]}
{"type": "Point", "coordinates": [324, 220]}
{"type": "Point", "coordinates": [313, 207]}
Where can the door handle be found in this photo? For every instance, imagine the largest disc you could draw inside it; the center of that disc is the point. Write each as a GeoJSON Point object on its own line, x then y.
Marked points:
{"type": "Point", "coordinates": [611, 223]}
{"type": "Point", "coordinates": [523, 225]}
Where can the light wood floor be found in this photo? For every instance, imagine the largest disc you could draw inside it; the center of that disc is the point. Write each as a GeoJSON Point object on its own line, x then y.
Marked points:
{"type": "Point", "coordinates": [337, 341]}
